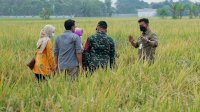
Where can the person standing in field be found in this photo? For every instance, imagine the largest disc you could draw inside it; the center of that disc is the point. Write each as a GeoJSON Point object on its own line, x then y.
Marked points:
{"type": "Point", "coordinates": [147, 42]}
{"type": "Point", "coordinates": [44, 64]}
{"type": "Point", "coordinates": [99, 49]}
{"type": "Point", "coordinates": [68, 51]}
{"type": "Point", "coordinates": [79, 32]}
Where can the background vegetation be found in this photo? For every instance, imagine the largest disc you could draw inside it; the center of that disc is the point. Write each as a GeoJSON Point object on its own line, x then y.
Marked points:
{"type": "Point", "coordinates": [95, 8]}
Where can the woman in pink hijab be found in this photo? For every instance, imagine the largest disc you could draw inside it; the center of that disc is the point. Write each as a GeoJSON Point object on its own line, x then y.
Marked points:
{"type": "Point", "coordinates": [79, 32]}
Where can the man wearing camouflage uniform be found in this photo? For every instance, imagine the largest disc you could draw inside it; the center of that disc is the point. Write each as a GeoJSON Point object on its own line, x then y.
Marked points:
{"type": "Point", "coordinates": [147, 42]}
{"type": "Point", "coordinates": [99, 49]}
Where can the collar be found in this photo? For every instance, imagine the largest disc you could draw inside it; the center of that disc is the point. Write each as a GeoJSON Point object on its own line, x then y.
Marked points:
{"type": "Point", "coordinates": [68, 31]}
{"type": "Point", "coordinates": [100, 32]}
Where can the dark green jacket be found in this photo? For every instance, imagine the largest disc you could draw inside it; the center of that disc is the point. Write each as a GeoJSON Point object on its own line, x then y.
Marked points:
{"type": "Point", "coordinates": [99, 51]}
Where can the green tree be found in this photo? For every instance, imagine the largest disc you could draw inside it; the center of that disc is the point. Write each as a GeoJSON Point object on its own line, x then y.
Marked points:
{"type": "Point", "coordinates": [169, 4]}
{"type": "Point", "coordinates": [180, 9]}
{"type": "Point", "coordinates": [130, 6]}
{"type": "Point", "coordinates": [45, 13]}
{"type": "Point", "coordinates": [198, 9]}
{"type": "Point", "coordinates": [91, 8]}
{"type": "Point", "coordinates": [108, 4]}
{"type": "Point", "coordinates": [174, 9]}
{"type": "Point", "coordinates": [162, 12]}
{"type": "Point", "coordinates": [192, 10]}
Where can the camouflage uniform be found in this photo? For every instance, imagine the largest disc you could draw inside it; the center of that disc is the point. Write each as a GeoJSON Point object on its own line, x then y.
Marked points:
{"type": "Point", "coordinates": [99, 52]}
{"type": "Point", "coordinates": [145, 50]}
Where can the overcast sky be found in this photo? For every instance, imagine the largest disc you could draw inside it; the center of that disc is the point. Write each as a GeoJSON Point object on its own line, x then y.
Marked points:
{"type": "Point", "coordinates": [149, 1]}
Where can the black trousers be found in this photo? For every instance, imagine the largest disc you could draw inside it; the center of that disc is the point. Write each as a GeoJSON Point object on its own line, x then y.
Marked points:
{"type": "Point", "coordinates": [40, 77]}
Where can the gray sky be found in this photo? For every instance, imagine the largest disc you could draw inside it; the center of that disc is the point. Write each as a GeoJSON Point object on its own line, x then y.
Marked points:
{"type": "Point", "coordinates": [149, 1]}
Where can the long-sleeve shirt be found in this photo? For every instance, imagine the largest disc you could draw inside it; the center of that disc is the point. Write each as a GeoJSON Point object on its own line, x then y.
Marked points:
{"type": "Point", "coordinates": [145, 50]}
{"type": "Point", "coordinates": [45, 61]}
{"type": "Point", "coordinates": [99, 51]}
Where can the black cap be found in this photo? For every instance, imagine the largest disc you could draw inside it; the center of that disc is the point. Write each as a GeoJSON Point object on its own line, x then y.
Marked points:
{"type": "Point", "coordinates": [102, 24]}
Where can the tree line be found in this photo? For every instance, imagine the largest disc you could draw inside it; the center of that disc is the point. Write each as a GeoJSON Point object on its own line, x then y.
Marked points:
{"type": "Point", "coordinates": [55, 7]}
{"type": "Point", "coordinates": [80, 8]}
{"type": "Point", "coordinates": [178, 9]}
{"type": "Point", "coordinates": [97, 8]}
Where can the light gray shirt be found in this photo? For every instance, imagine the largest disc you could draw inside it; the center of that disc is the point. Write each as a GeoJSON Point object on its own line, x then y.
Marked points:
{"type": "Point", "coordinates": [66, 47]}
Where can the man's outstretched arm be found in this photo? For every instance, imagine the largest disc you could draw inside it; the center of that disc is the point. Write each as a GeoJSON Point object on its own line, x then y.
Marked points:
{"type": "Point", "coordinates": [132, 41]}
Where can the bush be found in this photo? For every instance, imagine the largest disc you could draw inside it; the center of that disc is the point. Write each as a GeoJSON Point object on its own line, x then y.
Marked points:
{"type": "Point", "coordinates": [45, 13]}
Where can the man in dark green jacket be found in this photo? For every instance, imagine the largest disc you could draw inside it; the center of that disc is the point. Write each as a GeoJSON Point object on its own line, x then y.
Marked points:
{"type": "Point", "coordinates": [99, 49]}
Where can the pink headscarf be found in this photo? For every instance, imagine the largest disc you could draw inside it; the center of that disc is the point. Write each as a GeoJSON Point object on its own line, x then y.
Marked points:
{"type": "Point", "coordinates": [79, 31]}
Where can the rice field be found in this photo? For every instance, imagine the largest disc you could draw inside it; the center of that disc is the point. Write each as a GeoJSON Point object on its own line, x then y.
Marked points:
{"type": "Point", "coordinates": [172, 84]}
